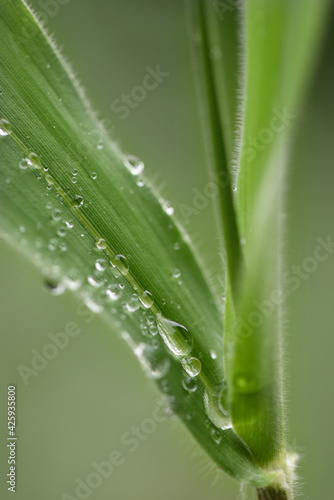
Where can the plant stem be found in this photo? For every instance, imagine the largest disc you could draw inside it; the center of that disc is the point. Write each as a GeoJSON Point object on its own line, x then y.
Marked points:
{"type": "Point", "coordinates": [271, 494]}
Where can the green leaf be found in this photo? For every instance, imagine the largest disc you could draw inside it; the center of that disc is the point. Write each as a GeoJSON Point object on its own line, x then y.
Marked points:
{"type": "Point", "coordinates": [199, 32]}
{"type": "Point", "coordinates": [83, 213]}
{"type": "Point", "coordinates": [281, 38]}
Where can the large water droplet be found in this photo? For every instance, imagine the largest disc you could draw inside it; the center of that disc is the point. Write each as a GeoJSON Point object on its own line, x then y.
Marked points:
{"type": "Point", "coordinates": [5, 128]}
{"type": "Point", "coordinates": [192, 366]}
{"type": "Point", "coordinates": [78, 200]}
{"type": "Point", "coordinates": [212, 408]}
{"type": "Point", "coordinates": [121, 263]}
{"type": "Point", "coordinates": [176, 336]}
{"type": "Point", "coordinates": [146, 299]}
{"type": "Point", "coordinates": [93, 175]}
{"type": "Point", "coordinates": [134, 165]}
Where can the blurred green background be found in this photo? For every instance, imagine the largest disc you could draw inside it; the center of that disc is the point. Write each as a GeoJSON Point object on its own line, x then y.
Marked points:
{"type": "Point", "coordinates": [76, 410]}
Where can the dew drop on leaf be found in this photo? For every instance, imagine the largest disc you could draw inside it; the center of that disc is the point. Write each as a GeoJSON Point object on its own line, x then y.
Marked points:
{"type": "Point", "coordinates": [121, 263]}
{"type": "Point", "coordinates": [54, 286]}
{"type": "Point", "coordinates": [146, 299]}
{"type": "Point", "coordinates": [132, 304]}
{"type": "Point", "coordinates": [134, 165]}
{"type": "Point", "coordinates": [78, 200]}
{"type": "Point", "coordinates": [168, 209]}
{"type": "Point", "coordinates": [176, 336]}
{"type": "Point", "coordinates": [5, 127]}
{"type": "Point", "coordinates": [189, 384]}
{"type": "Point", "coordinates": [213, 354]}
{"type": "Point", "coordinates": [56, 214]}
{"type": "Point", "coordinates": [176, 273]}
{"type": "Point", "coordinates": [192, 366]}
{"type": "Point", "coordinates": [101, 265]}
{"type": "Point", "coordinates": [101, 244]}
{"type": "Point", "coordinates": [113, 291]}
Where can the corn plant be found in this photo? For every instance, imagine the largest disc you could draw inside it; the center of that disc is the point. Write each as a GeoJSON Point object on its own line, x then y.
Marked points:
{"type": "Point", "coordinates": [94, 224]}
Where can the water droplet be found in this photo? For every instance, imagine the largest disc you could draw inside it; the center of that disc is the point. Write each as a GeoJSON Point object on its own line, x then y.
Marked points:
{"type": "Point", "coordinates": [213, 354]}
{"type": "Point", "coordinates": [216, 435]}
{"type": "Point", "coordinates": [168, 209]}
{"type": "Point", "coordinates": [134, 164]}
{"type": "Point", "coordinates": [23, 164]}
{"type": "Point", "coordinates": [176, 273]}
{"type": "Point", "coordinates": [69, 224]}
{"type": "Point", "coordinates": [74, 180]}
{"type": "Point", "coordinates": [234, 189]}
{"type": "Point", "coordinates": [113, 292]}
{"type": "Point", "coordinates": [78, 200]}
{"type": "Point", "coordinates": [213, 410]}
{"type": "Point", "coordinates": [133, 304]}
{"type": "Point", "coordinates": [121, 263]}
{"type": "Point", "coordinates": [73, 280]}
{"type": "Point", "coordinates": [153, 329]}
{"type": "Point", "coordinates": [62, 246]}
{"type": "Point", "coordinates": [177, 246]}
{"type": "Point", "coordinates": [176, 336]}
{"type": "Point", "coordinates": [140, 183]}
{"type": "Point", "coordinates": [22, 229]}
{"type": "Point", "coordinates": [61, 232]}
{"type": "Point", "coordinates": [56, 214]}
{"type": "Point", "coordinates": [101, 265]}
{"type": "Point", "coordinates": [192, 366]}
{"type": "Point", "coordinates": [146, 299]}
{"type": "Point", "coordinates": [189, 384]}
{"type": "Point", "coordinates": [75, 172]}
{"type": "Point", "coordinates": [153, 361]}
{"type": "Point", "coordinates": [5, 128]}
{"type": "Point", "coordinates": [92, 305]}
{"type": "Point", "coordinates": [54, 286]}
{"type": "Point", "coordinates": [93, 175]}
{"type": "Point", "coordinates": [34, 160]}
{"type": "Point", "coordinates": [101, 244]}
{"type": "Point", "coordinates": [222, 400]}
{"type": "Point", "coordinates": [96, 280]}
{"type": "Point", "coordinates": [100, 145]}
